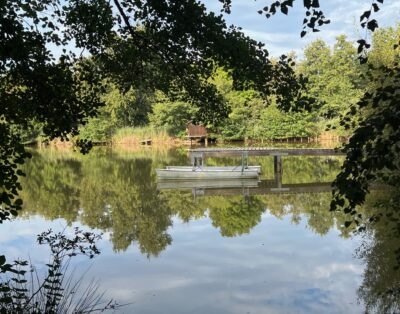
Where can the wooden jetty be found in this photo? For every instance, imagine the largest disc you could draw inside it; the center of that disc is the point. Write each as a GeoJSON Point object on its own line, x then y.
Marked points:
{"type": "Point", "coordinates": [198, 156]}
{"type": "Point", "coordinates": [263, 151]}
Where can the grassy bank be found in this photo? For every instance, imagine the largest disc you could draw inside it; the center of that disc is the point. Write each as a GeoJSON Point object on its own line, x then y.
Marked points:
{"type": "Point", "coordinates": [140, 136]}
{"type": "Point", "coordinates": [136, 136]}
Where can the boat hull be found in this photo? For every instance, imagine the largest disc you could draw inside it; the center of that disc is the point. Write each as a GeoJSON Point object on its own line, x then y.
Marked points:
{"type": "Point", "coordinates": [206, 184]}
{"type": "Point", "coordinates": [214, 168]}
{"type": "Point", "coordinates": [206, 173]}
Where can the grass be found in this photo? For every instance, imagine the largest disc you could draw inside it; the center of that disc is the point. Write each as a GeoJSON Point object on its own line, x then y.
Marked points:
{"type": "Point", "coordinates": [129, 135]}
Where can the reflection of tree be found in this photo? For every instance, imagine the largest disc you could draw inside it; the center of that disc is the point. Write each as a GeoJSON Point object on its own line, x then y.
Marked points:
{"type": "Point", "coordinates": [303, 169]}
{"type": "Point", "coordinates": [53, 187]}
{"type": "Point", "coordinates": [184, 205]}
{"type": "Point", "coordinates": [237, 215]}
{"type": "Point", "coordinates": [106, 191]}
{"type": "Point", "coordinates": [314, 207]}
{"type": "Point", "coordinates": [117, 192]}
{"type": "Point", "coordinates": [380, 289]}
{"type": "Point", "coordinates": [296, 169]}
{"type": "Point", "coordinates": [122, 195]}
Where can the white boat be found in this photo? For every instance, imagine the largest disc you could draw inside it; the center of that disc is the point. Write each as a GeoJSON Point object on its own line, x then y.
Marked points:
{"type": "Point", "coordinates": [206, 184]}
{"type": "Point", "coordinates": [207, 168]}
{"type": "Point", "coordinates": [207, 172]}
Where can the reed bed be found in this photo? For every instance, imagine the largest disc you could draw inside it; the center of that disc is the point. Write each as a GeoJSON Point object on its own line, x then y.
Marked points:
{"type": "Point", "coordinates": [136, 136]}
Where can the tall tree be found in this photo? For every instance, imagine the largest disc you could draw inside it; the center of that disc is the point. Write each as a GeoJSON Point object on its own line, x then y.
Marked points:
{"type": "Point", "coordinates": [333, 77]}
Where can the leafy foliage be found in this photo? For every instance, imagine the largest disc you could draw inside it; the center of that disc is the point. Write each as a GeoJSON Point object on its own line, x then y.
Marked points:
{"type": "Point", "coordinates": [173, 47]}
{"type": "Point", "coordinates": [173, 115]}
{"type": "Point", "coordinates": [333, 78]}
{"type": "Point", "coordinates": [373, 150]}
{"type": "Point", "coordinates": [380, 289]}
{"type": "Point", "coordinates": [24, 292]}
{"type": "Point", "coordinates": [12, 154]}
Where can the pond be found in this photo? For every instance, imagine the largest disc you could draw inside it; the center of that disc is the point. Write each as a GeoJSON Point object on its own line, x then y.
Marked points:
{"type": "Point", "coordinates": [170, 250]}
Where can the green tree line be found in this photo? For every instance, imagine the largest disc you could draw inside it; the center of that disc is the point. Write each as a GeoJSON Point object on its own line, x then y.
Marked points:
{"type": "Point", "coordinates": [334, 79]}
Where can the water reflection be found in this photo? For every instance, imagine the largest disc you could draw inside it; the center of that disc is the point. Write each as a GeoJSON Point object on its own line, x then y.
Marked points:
{"type": "Point", "coordinates": [117, 192]}
{"type": "Point", "coordinates": [380, 289]}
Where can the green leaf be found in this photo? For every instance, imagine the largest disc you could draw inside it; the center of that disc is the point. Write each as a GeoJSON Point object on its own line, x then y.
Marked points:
{"type": "Point", "coordinates": [347, 224]}
{"type": "Point", "coordinates": [372, 25]}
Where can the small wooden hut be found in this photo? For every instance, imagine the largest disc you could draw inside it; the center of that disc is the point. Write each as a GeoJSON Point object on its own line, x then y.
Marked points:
{"type": "Point", "coordinates": [196, 132]}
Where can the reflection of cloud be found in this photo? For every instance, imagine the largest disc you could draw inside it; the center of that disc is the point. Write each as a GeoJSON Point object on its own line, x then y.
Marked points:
{"type": "Point", "coordinates": [257, 273]}
{"type": "Point", "coordinates": [8, 232]}
{"type": "Point", "coordinates": [331, 270]}
{"type": "Point", "coordinates": [276, 268]}
{"type": "Point", "coordinates": [21, 242]}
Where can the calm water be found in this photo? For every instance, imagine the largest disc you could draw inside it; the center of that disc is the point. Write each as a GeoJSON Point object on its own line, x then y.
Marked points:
{"type": "Point", "coordinates": [194, 250]}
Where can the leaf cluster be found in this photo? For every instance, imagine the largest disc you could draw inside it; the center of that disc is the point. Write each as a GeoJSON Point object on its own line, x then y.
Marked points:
{"type": "Point", "coordinates": [23, 291]}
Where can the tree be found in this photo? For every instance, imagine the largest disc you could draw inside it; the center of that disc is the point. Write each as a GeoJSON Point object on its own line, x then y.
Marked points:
{"type": "Point", "coordinates": [373, 149]}
{"type": "Point", "coordinates": [172, 114]}
{"type": "Point", "coordinates": [121, 109]}
{"type": "Point", "coordinates": [161, 45]}
{"type": "Point", "coordinates": [333, 77]}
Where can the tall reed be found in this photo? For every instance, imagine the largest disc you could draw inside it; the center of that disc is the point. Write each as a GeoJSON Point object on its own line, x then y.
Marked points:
{"type": "Point", "coordinates": [130, 135]}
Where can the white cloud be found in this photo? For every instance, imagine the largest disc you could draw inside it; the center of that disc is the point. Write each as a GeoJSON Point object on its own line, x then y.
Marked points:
{"type": "Point", "coordinates": [281, 33]}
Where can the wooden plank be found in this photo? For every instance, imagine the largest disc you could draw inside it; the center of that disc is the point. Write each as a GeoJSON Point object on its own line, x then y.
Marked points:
{"type": "Point", "coordinates": [260, 151]}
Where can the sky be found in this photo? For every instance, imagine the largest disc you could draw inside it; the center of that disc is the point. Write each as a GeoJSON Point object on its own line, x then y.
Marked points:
{"type": "Point", "coordinates": [281, 33]}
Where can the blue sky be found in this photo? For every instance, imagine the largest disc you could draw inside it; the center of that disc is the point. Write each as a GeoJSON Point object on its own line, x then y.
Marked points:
{"type": "Point", "coordinates": [281, 33]}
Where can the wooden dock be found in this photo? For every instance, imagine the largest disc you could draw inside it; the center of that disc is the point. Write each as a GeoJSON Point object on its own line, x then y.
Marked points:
{"type": "Point", "coordinates": [197, 156]}
{"type": "Point", "coordinates": [263, 151]}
